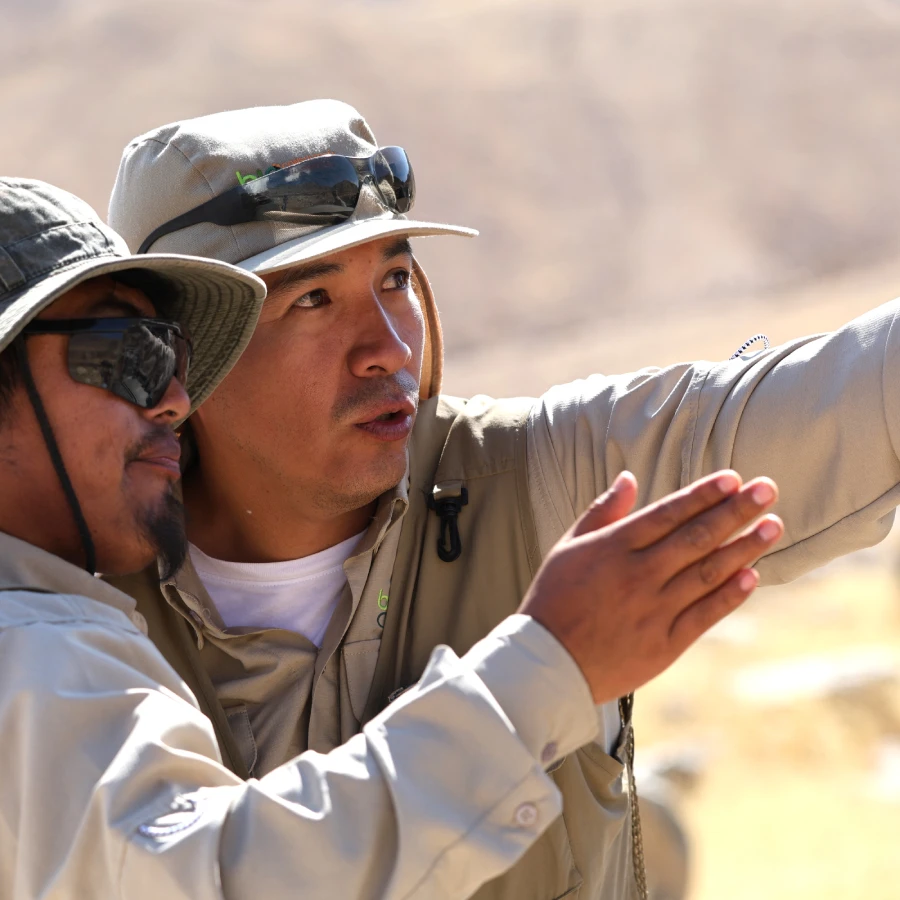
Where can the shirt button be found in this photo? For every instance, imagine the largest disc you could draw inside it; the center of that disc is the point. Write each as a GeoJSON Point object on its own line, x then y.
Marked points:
{"type": "Point", "coordinates": [526, 815]}
{"type": "Point", "coordinates": [548, 754]}
{"type": "Point", "coordinates": [139, 622]}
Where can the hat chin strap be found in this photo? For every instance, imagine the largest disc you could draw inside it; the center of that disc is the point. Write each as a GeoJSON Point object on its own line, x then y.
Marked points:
{"type": "Point", "coordinates": [87, 542]}
{"type": "Point", "coordinates": [433, 352]}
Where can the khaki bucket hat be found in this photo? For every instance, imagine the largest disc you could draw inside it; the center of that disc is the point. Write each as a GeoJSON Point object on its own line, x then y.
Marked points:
{"type": "Point", "coordinates": [50, 241]}
{"type": "Point", "coordinates": [172, 170]}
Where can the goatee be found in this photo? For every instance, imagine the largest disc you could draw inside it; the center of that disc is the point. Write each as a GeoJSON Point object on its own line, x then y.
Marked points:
{"type": "Point", "coordinates": [164, 528]}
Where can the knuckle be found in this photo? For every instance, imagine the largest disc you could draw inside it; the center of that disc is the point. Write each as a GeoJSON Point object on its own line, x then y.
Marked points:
{"type": "Point", "coordinates": [667, 515]}
{"type": "Point", "coordinates": [708, 571]}
{"type": "Point", "coordinates": [746, 508]}
{"type": "Point", "coordinates": [697, 535]}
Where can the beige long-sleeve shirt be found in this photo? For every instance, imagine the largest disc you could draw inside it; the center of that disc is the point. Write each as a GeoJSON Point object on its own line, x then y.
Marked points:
{"type": "Point", "coordinates": [820, 415]}
{"type": "Point", "coordinates": [112, 785]}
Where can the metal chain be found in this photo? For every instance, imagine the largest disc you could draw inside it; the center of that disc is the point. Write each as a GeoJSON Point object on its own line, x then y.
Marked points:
{"type": "Point", "coordinates": [626, 705]}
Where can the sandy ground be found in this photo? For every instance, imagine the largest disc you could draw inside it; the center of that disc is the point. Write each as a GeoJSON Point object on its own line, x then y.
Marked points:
{"type": "Point", "coordinates": [798, 791]}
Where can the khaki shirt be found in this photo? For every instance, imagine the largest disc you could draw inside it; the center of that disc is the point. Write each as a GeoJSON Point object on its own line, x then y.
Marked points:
{"type": "Point", "coordinates": [112, 784]}
{"type": "Point", "coordinates": [820, 415]}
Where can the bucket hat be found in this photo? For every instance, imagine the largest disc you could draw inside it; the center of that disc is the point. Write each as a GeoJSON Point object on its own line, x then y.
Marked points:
{"type": "Point", "coordinates": [51, 241]}
{"type": "Point", "coordinates": [173, 169]}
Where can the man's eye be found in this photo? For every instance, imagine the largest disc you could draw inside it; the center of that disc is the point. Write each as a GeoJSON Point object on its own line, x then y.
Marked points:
{"type": "Point", "coordinates": [398, 280]}
{"type": "Point", "coordinates": [312, 299]}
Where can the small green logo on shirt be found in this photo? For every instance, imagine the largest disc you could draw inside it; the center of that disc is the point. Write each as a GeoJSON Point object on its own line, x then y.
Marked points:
{"type": "Point", "coordinates": [382, 605]}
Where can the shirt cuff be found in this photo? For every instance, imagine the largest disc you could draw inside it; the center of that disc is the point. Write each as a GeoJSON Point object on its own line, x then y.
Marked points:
{"type": "Point", "coordinates": [539, 687]}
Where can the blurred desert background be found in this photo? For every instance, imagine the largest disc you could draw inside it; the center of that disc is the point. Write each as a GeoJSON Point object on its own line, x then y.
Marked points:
{"type": "Point", "coordinates": [654, 180]}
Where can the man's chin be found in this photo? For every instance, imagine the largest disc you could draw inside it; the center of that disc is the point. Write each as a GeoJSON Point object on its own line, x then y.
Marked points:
{"type": "Point", "coordinates": [357, 485]}
{"type": "Point", "coordinates": [164, 531]}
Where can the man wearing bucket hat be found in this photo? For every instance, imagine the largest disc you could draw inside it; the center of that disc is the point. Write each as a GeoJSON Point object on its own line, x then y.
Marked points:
{"type": "Point", "coordinates": [112, 782]}
{"type": "Point", "coordinates": [345, 517]}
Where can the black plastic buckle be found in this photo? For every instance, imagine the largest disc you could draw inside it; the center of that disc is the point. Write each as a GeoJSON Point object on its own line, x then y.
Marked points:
{"type": "Point", "coordinates": [449, 545]}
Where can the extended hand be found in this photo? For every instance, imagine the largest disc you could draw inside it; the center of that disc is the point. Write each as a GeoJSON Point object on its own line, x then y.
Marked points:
{"type": "Point", "coordinates": [627, 596]}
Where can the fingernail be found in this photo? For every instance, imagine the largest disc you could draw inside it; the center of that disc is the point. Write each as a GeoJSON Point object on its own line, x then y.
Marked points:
{"type": "Point", "coordinates": [748, 580]}
{"type": "Point", "coordinates": [769, 530]}
{"type": "Point", "coordinates": [762, 493]}
{"type": "Point", "coordinates": [728, 482]}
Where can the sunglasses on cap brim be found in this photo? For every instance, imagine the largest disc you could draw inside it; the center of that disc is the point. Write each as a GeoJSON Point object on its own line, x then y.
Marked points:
{"type": "Point", "coordinates": [320, 191]}
{"type": "Point", "coordinates": [134, 358]}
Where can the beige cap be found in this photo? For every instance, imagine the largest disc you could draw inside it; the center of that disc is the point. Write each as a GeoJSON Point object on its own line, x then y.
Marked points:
{"type": "Point", "coordinates": [173, 169]}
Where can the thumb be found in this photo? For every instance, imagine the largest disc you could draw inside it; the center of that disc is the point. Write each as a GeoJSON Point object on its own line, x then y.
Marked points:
{"type": "Point", "coordinates": [608, 508]}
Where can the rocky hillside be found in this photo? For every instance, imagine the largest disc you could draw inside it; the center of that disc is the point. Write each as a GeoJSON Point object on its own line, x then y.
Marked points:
{"type": "Point", "coordinates": [626, 162]}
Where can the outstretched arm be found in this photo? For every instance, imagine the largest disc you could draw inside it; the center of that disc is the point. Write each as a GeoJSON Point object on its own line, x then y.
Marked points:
{"type": "Point", "coordinates": [820, 415]}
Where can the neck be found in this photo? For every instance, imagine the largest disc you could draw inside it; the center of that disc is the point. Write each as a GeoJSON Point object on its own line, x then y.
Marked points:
{"type": "Point", "coordinates": [252, 520]}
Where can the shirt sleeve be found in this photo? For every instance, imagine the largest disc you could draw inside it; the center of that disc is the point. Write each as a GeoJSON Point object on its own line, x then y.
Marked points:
{"type": "Point", "coordinates": [112, 785]}
{"type": "Point", "coordinates": [820, 415]}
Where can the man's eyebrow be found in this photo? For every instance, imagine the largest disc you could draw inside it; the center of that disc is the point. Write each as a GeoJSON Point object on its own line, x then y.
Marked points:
{"type": "Point", "coordinates": [305, 272]}
{"type": "Point", "coordinates": [400, 247]}
{"type": "Point", "coordinates": [317, 269]}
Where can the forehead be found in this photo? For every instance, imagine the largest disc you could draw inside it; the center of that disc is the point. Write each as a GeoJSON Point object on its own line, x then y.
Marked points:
{"type": "Point", "coordinates": [100, 297]}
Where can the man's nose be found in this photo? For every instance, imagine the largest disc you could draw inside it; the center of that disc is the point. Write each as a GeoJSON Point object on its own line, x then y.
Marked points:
{"type": "Point", "coordinates": [174, 406]}
{"type": "Point", "coordinates": [379, 348]}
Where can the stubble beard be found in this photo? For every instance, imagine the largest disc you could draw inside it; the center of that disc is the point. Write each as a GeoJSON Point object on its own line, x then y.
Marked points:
{"type": "Point", "coordinates": [356, 490]}
{"type": "Point", "coordinates": [358, 487]}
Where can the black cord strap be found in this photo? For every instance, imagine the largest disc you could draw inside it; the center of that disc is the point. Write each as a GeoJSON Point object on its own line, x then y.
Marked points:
{"type": "Point", "coordinates": [87, 542]}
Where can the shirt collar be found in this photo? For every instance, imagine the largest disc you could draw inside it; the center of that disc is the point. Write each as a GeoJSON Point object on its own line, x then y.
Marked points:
{"type": "Point", "coordinates": [185, 591]}
{"type": "Point", "coordinates": [22, 565]}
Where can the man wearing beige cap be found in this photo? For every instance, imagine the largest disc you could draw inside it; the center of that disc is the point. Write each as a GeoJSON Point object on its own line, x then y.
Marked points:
{"type": "Point", "coordinates": [345, 517]}
{"type": "Point", "coordinates": [112, 781]}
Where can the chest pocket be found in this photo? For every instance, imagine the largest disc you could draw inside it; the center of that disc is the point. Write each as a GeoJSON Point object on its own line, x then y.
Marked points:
{"type": "Point", "coordinates": [239, 724]}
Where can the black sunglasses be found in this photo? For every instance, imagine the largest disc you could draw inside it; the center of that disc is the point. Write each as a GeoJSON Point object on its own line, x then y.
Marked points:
{"type": "Point", "coordinates": [136, 359]}
{"type": "Point", "coordinates": [320, 191]}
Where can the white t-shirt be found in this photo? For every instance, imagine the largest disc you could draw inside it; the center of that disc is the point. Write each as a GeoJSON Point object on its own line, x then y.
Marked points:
{"type": "Point", "coordinates": [297, 595]}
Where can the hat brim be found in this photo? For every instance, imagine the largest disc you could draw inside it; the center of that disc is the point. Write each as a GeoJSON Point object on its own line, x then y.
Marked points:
{"type": "Point", "coordinates": [340, 237]}
{"type": "Point", "coordinates": [218, 304]}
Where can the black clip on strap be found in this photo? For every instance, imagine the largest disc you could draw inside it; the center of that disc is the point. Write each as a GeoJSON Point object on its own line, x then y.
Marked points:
{"type": "Point", "coordinates": [449, 545]}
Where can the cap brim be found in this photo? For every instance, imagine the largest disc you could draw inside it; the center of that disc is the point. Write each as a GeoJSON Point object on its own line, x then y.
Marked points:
{"type": "Point", "coordinates": [218, 304]}
{"type": "Point", "coordinates": [340, 237]}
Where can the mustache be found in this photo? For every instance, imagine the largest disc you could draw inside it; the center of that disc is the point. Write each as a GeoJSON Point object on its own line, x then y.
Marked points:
{"type": "Point", "coordinates": [156, 437]}
{"type": "Point", "coordinates": [399, 387]}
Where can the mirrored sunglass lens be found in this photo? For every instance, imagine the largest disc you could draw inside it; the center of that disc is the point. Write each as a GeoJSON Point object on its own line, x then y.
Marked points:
{"type": "Point", "coordinates": [309, 194]}
{"type": "Point", "coordinates": [148, 364]}
{"type": "Point", "coordinates": [93, 358]}
{"type": "Point", "coordinates": [137, 364]}
{"type": "Point", "coordinates": [395, 178]}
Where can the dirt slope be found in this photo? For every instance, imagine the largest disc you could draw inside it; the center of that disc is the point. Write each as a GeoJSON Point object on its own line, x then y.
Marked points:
{"type": "Point", "coordinates": [622, 160]}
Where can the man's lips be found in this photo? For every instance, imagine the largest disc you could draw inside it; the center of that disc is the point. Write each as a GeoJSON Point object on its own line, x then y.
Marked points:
{"type": "Point", "coordinates": [164, 454]}
{"type": "Point", "coordinates": [389, 420]}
